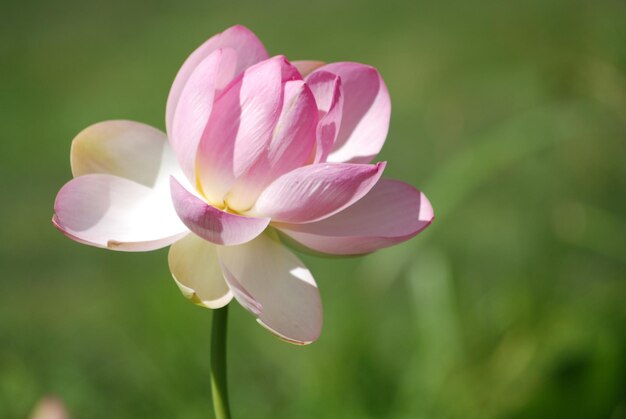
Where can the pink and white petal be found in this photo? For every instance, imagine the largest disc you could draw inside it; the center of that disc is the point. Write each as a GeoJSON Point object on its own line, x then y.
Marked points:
{"type": "Point", "coordinates": [241, 126]}
{"type": "Point", "coordinates": [211, 223]}
{"type": "Point", "coordinates": [305, 67]}
{"type": "Point", "coordinates": [317, 191]}
{"type": "Point", "coordinates": [249, 51]}
{"type": "Point", "coordinates": [289, 147]}
{"type": "Point", "coordinates": [241, 294]}
{"type": "Point", "coordinates": [196, 270]}
{"type": "Point", "coordinates": [366, 113]}
{"type": "Point", "coordinates": [108, 211]}
{"type": "Point", "coordinates": [127, 149]}
{"type": "Point", "coordinates": [326, 88]}
{"type": "Point", "coordinates": [392, 212]}
{"type": "Point", "coordinates": [282, 287]}
{"type": "Point", "coordinates": [195, 105]}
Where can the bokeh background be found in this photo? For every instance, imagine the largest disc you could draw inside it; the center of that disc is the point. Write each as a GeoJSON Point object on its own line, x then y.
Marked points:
{"type": "Point", "coordinates": [511, 116]}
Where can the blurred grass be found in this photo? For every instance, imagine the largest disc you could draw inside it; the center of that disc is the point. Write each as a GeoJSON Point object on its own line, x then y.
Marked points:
{"type": "Point", "coordinates": [510, 116]}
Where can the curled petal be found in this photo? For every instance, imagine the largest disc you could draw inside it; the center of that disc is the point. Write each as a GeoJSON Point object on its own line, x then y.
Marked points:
{"type": "Point", "coordinates": [249, 51]}
{"type": "Point", "coordinates": [326, 88]}
{"type": "Point", "coordinates": [196, 270]}
{"type": "Point", "coordinates": [280, 291]}
{"type": "Point", "coordinates": [317, 191]}
{"type": "Point", "coordinates": [392, 212]}
{"type": "Point", "coordinates": [108, 211]}
{"type": "Point", "coordinates": [366, 113]}
{"type": "Point", "coordinates": [213, 224]}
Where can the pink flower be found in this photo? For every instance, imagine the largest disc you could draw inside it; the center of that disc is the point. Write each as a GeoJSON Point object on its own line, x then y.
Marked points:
{"type": "Point", "coordinates": [260, 149]}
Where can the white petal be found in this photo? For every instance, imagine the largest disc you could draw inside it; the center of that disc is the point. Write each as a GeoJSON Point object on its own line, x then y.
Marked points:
{"type": "Point", "coordinates": [109, 211]}
{"type": "Point", "coordinates": [279, 284]}
{"type": "Point", "coordinates": [196, 270]}
{"type": "Point", "coordinates": [126, 149]}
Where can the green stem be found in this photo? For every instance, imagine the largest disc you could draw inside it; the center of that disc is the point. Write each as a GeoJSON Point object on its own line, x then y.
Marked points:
{"type": "Point", "coordinates": [219, 389]}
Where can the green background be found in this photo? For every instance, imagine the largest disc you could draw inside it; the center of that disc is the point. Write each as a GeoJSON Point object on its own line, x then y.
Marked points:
{"type": "Point", "coordinates": [510, 116]}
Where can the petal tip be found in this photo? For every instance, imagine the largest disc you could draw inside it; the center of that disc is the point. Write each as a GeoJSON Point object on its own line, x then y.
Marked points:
{"type": "Point", "coordinates": [239, 27]}
{"type": "Point", "coordinates": [194, 298]}
{"type": "Point", "coordinates": [56, 222]}
{"type": "Point", "coordinates": [426, 212]}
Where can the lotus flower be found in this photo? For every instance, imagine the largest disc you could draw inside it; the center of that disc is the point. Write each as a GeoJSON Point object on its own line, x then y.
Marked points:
{"type": "Point", "coordinates": [258, 151]}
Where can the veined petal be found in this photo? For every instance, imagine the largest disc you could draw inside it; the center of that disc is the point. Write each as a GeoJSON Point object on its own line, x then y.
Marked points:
{"type": "Point", "coordinates": [305, 67]}
{"type": "Point", "coordinates": [241, 126]}
{"type": "Point", "coordinates": [314, 192]}
{"type": "Point", "coordinates": [366, 113]}
{"type": "Point", "coordinates": [249, 51]}
{"type": "Point", "coordinates": [108, 211]}
{"type": "Point", "coordinates": [195, 104]}
{"type": "Point", "coordinates": [289, 147]}
{"type": "Point", "coordinates": [126, 149]}
{"type": "Point", "coordinates": [326, 88]}
{"type": "Point", "coordinates": [391, 212]}
{"type": "Point", "coordinates": [211, 223]}
{"type": "Point", "coordinates": [196, 270]}
{"type": "Point", "coordinates": [287, 301]}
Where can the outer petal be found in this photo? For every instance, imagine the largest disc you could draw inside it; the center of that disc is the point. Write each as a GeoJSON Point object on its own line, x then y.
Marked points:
{"type": "Point", "coordinates": [195, 105]}
{"type": "Point", "coordinates": [108, 211]}
{"type": "Point", "coordinates": [314, 192]}
{"type": "Point", "coordinates": [196, 269]}
{"type": "Point", "coordinates": [240, 130]}
{"type": "Point", "coordinates": [366, 112]}
{"type": "Point", "coordinates": [213, 224]}
{"type": "Point", "coordinates": [306, 67]}
{"type": "Point", "coordinates": [392, 212]}
{"type": "Point", "coordinates": [326, 88]}
{"type": "Point", "coordinates": [127, 149]}
{"type": "Point", "coordinates": [287, 299]}
{"type": "Point", "coordinates": [249, 51]}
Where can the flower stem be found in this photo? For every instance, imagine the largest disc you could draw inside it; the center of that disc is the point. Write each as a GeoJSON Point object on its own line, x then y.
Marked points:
{"type": "Point", "coordinates": [219, 389]}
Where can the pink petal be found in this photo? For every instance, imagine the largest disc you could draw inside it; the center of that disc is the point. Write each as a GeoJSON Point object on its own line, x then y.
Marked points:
{"type": "Point", "coordinates": [314, 192]}
{"type": "Point", "coordinates": [306, 67]}
{"type": "Point", "coordinates": [239, 132]}
{"type": "Point", "coordinates": [126, 149]}
{"type": "Point", "coordinates": [289, 147]}
{"type": "Point", "coordinates": [213, 224]}
{"type": "Point", "coordinates": [195, 105]}
{"type": "Point", "coordinates": [326, 88]}
{"type": "Point", "coordinates": [279, 290]}
{"type": "Point", "coordinates": [392, 212]}
{"type": "Point", "coordinates": [108, 211]}
{"type": "Point", "coordinates": [247, 46]}
{"type": "Point", "coordinates": [366, 112]}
